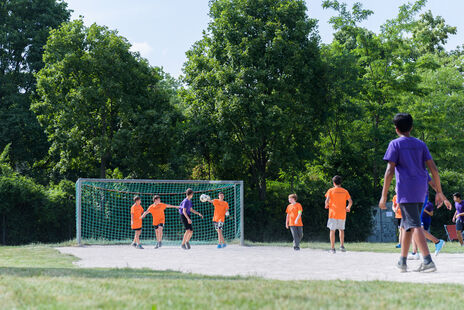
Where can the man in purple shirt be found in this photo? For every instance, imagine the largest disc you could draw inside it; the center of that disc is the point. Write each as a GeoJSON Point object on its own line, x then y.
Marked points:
{"type": "Point", "coordinates": [185, 209]}
{"type": "Point", "coordinates": [407, 159]}
{"type": "Point", "coordinates": [459, 215]}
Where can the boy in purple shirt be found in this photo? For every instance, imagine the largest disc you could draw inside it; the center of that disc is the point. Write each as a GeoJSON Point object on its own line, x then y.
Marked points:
{"type": "Point", "coordinates": [407, 157]}
{"type": "Point", "coordinates": [186, 207]}
{"type": "Point", "coordinates": [459, 215]}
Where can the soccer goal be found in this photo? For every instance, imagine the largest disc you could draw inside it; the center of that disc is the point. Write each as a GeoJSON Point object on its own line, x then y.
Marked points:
{"type": "Point", "coordinates": [103, 210]}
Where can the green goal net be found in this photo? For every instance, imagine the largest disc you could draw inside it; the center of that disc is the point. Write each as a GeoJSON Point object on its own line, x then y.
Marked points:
{"type": "Point", "coordinates": [103, 210]}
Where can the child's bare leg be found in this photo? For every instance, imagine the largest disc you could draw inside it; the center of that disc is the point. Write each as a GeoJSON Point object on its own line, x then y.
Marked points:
{"type": "Point", "coordinates": [221, 236]}
{"type": "Point", "coordinates": [332, 239]}
{"type": "Point", "coordinates": [159, 237]}
{"type": "Point", "coordinates": [414, 246]}
{"type": "Point", "coordinates": [406, 242]}
{"type": "Point", "coordinates": [459, 233]}
{"type": "Point", "coordinates": [341, 234]}
{"type": "Point", "coordinates": [430, 236]}
{"type": "Point", "coordinates": [184, 240]}
{"type": "Point", "coordinates": [400, 235]}
{"type": "Point", "coordinates": [137, 236]}
{"type": "Point", "coordinates": [419, 238]}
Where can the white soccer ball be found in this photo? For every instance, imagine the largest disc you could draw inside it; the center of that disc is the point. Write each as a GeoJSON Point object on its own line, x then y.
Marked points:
{"type": "Point", "coordinates": [204, 198]}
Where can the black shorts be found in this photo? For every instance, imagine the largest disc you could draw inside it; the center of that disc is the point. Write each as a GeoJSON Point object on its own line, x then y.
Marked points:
{"type": "Point", "coordinates": [459, 225]}
{"type": "Point", "coordinates": [137, 229]}
{"type": "Point", "coordinates": [218, 225]}
{"type": "Point", "coordinates": [411, 215]}
{"type": "Point", "coordinates": [185, 222]}
{"type": "Point", "coordinates": [398, 222]}
{"type": "Point", "coordinates": [158, 226]}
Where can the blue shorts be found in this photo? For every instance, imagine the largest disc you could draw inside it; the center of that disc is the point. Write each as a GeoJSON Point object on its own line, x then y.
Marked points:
{"type": "Point", "coordinates": [426, 223]}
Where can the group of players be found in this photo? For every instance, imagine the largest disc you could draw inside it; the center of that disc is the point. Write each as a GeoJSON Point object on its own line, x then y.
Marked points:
{"type": "Point", "coordinates": [185, 209]}
{"type": "Point", "coordinates": [407, 159]}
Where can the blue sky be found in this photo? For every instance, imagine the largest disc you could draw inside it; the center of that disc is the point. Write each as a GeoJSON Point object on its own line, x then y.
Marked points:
{"type": "Point", "coordinates": [163, 30]}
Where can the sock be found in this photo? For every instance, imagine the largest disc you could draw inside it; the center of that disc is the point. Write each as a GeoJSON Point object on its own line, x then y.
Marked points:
{"type": "Point", "coordinates": [428, 259]}
{"type": "Point", "coordinates": [403, 260]}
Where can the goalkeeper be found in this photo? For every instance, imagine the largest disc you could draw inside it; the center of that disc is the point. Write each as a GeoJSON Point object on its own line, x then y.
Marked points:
{"type": "Point", "coordinates": [221, 209]}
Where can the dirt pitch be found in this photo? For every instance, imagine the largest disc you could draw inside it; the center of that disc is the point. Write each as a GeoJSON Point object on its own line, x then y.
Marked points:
{"type": "Point", "coordinates": [268, 262]}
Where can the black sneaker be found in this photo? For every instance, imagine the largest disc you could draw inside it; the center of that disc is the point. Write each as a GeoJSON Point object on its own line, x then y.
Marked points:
{"type": "Point", "coordinates": [160, 243]}
{"type": "Point", "coordinates": [342, 249]}
{"type": "Point", "coordinates": [157, 245]}
{"type": "Point", "coordinates": [134, 244]}
{"type": "Point", "coordinates": [297, 248]}
{"type": "Point", "coordinates": [188, 245]}
{"type": "Point", "coordinates": [332, 251]}
{"type": "Point", "coordinates": [139, 246]}
{"type": "Point", "coordinates": [183, 246]}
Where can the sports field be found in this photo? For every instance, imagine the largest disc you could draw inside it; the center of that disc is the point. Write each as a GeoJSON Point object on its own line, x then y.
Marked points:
{"type": "Point", "coordinates": [41, 277]}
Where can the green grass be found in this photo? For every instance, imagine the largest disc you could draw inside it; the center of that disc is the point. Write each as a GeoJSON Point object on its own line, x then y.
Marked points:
{"type": "Point", "coordinates": [450, 247]}
{"type": "Point", "coordinates": [40, 277]}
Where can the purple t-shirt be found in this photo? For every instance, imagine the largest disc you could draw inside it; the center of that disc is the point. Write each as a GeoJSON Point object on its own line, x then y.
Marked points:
{"type": "Point", "coordinates": [187, 205]}
{"type": "Point", "coordinates": [409, 154]}
{"type": "Point", "coordinates": [460, 208]}
{"type": "Point", "coordinates": [428, 207]}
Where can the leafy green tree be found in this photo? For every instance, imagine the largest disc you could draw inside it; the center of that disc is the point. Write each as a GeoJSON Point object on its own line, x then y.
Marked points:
{"type": "Point", "coordinates": [24, 28]}
{"type": "Point", "coordinates": [254, 79]}
{"type": "Point", "coordinates": [102, 106]}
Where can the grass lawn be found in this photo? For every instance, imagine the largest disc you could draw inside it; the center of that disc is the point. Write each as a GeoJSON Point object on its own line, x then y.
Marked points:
{"type": "Point", "coordinates": [40, 277]}
{"type": "Point", "coordinates": [450, 247]}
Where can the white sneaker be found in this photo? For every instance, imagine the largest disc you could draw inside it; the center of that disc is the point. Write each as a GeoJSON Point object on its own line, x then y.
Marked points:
{"type": "Point", "coordinates": [414, 256]}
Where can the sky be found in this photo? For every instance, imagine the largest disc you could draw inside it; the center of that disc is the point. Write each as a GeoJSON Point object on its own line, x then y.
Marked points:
{"type": "Point", "coordinates": [163, 30]}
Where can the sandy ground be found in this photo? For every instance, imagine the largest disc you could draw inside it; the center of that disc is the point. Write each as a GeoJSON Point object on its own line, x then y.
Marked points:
{"type": "Point", "coordinates": [269, 262]}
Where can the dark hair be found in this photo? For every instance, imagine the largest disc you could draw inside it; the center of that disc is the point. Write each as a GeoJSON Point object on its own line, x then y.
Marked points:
{"type": "Point", "coordinates": [403, 121]}
{"type": "Point", "coordinates": [156, 197]}
{"type": "Point", "coordinates": [337, 180]}
{"type": "Point", "coordinates": [457, 195]}
{"type": "Point", "coordinates": [220, 193]}
{"type": "Point", "coordinates": [189, 192]}
{"type": "Point", "coordinates": [137, 198]}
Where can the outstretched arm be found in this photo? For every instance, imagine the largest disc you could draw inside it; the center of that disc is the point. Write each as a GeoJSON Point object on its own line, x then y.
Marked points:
{"type": "Point", "coordinates": [169, 206]}
{"type": "Point", "coordinates": [389, 173]}
{"type": "Point", "coordinates": [196, 212]}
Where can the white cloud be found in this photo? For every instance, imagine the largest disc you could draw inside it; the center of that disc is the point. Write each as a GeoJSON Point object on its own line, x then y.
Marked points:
{"type": "Point", "coordinates": [143, 48]}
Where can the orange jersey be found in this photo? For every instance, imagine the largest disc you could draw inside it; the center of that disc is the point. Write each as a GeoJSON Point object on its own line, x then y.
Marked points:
{"type": "Point", "coordinates": [398, 212]}
{"type": "Point", "coordinates": [292, 212]}
{"type": "Point", "coordinates": [220, 208]}
{"type": "Point", "coordinates": [157, 212]}
{"type": "Point", "coordinates": [337, 202]}
{"type": "Point", "coordinates": [136, 212]}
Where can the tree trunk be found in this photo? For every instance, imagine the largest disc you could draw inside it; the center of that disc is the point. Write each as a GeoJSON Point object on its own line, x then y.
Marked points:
{"type": "Point", "coordinates": [104, 164]}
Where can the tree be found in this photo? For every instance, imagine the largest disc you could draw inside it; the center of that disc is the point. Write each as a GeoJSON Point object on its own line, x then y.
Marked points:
{"type": "Point", "coordinates": [101, 105]}
{"type": "Point", "coordinates": [254, 78]}
{"type": "Point", "coordinates": [24, 29]}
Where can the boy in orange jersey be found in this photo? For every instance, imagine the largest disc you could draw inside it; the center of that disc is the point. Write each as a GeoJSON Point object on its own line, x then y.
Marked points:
{"type": "Point", "coordinates": [136, 221]}
{"type": "Point", "coordinates": [293, 220]}
{"type": "Point", "coordinates": [221, 209]}
{"type": "Point", "coordinates": [397, 210]}
{"type": "Point", "coordinates": [336, 198]}
{"type": "Point", "coordinates": [157, 212]}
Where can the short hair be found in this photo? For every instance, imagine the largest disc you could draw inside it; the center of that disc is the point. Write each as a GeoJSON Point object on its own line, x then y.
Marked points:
{"type": "Point", "coordinates": [156, 197]}
{"type": "Point", "coordinates": [294, 196]}
{"type": "Point", "coordinates": [457, 195]}
{"type": "Point", "coordinates": [337, 180]}
{"type": "Point", "coordinates": [137, 198]}
{"type": "Point", "coordinates": [220, 193]}
{"type": "Point", "coordinates": [189, 192]}
{"type": "Point", "coordinates": [403, 121]}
